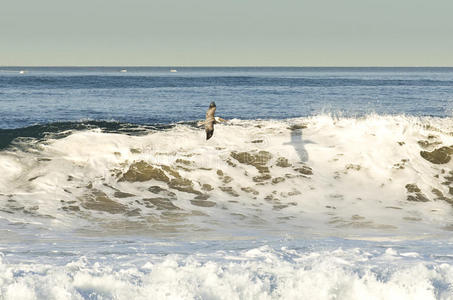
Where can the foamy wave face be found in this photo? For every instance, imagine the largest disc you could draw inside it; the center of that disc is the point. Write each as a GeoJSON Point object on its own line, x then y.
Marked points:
{"type": "Point", "coordinates": [317, 175]}
{"type": "Point", "coordinates": [257, 273]}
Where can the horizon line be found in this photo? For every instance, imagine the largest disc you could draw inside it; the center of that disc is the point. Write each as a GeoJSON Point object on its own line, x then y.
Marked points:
{"type": "Point", "coordinates": [211, 66]}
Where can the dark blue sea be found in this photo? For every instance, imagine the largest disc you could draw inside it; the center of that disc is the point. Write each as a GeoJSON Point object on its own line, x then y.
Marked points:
{"type": "Point", "coordinates": [322, 183]}
{"type": "Point", "coordinates": [154, 95]}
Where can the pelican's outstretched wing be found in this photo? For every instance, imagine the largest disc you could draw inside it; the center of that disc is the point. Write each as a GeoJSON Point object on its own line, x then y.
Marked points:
{"type": "Point", "coordinates": [219, 119]}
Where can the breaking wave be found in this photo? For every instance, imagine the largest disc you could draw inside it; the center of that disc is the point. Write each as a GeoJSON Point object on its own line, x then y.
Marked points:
{"type": "Point", "coordinates": [306, 176]}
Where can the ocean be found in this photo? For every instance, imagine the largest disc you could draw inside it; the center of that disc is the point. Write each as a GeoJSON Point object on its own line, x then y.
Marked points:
{"type": "Point", "coordinates": [324, 183]}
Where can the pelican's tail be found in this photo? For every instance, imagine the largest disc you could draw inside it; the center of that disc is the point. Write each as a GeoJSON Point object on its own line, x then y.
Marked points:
{"type": "Point", "coordinates": [209, 134]}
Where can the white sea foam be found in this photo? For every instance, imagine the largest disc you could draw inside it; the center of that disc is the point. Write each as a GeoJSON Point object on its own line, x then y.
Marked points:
{"type": "Point", "coordinates": [257, 273]}
{"type": "Point", "coordinates": [364, 170]}
{"type": "Point", "coordinates": [294, 186]}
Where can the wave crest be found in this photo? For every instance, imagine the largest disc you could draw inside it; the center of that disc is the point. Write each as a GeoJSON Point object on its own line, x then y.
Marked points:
{"type": "Point", "coordinates": [307, 175]}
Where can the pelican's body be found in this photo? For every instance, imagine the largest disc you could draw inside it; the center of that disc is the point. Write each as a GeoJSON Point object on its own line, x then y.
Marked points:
{"type": "Point", "coordinates": [210, 120]}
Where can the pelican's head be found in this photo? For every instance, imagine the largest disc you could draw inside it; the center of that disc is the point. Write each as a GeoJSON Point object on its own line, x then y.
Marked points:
{"type": "Point", "coordinates": [212, 104]}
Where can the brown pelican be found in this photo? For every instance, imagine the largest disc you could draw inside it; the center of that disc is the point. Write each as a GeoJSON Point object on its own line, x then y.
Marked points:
{"type": "Point", "coordinates": [210, 120]}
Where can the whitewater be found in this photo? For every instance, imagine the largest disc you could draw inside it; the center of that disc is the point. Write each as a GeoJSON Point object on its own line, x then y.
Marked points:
{"type": "Point", "coordinates": [323, 206]}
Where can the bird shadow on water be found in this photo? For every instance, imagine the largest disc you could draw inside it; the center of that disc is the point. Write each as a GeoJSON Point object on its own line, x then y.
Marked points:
{"type": "Point", "coordinates": [299, 143]}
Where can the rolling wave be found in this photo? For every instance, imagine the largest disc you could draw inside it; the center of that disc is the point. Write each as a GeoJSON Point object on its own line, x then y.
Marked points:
{"type": "Point", "coordinates": [313, 175]}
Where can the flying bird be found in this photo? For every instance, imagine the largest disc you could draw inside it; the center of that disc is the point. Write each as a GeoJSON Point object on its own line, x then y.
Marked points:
{"type": "Point", "coordinates": [211, 120]}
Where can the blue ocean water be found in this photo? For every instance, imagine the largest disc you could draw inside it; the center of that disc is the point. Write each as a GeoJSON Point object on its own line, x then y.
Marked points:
{"type": "Point", "coordinates": [324, 183]}
{"type": "Point", "coordinates": [154, 95]}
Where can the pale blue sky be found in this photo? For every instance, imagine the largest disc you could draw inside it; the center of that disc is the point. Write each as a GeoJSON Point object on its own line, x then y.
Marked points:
{"type": "Point", "coordinates": [227, 33]}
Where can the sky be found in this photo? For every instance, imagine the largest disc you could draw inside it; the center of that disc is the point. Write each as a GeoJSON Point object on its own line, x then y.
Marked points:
{"type": "Point", "coordinates": [226, 33]}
